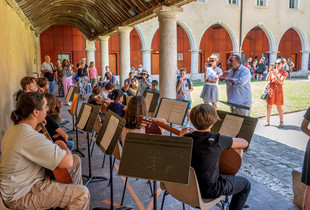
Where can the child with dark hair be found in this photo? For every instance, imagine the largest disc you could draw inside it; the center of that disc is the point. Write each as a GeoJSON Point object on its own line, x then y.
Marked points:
{"type": "Point", "coordinates": [117, 96]}
{"type": "Point", "coordinates": [52, 126]}
{"type": "Point", "coordinates": [107, 90]}
{"type": "Point", "coordinates": [207, 148]}
{"type": "Point", "coordinates": [96, 95]}
{"type": "Point", "coordinates": [155, 86]}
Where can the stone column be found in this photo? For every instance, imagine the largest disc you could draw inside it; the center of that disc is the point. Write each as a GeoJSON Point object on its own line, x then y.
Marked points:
{"type": "Point", "coordinates": [194, 61]}
{"type": "Point", "coordinates": [104, 53]}
{"type": "Point", "coordinates": [304, 61]}
{"type": "Point", "coordinates": [90, 51]}
{"type": "Point", "coordinates": [146, 56]}
{"type": "Point", "coordinates": [272, 56]}
{"type": "Point", "coordinates": [124, 53]}
{"type": "Point", "coordinates": [167, 17]}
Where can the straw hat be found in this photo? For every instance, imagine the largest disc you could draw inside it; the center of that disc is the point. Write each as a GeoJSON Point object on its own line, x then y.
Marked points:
{"type": "Point", "coordinates": [144, 71]}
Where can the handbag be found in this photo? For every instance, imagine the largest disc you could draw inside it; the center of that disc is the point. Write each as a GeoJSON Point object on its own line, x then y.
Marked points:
{"type": "Point", "coordinates": [264, 95]}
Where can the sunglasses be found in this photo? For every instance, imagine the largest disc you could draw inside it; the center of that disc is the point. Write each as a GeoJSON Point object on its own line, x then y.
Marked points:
{"type": "Point", "coordinates": [211, 61]}
{"type": "Point", "coordinates": [278, 63]}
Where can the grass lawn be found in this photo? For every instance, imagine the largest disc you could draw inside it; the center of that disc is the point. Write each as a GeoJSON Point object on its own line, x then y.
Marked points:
{"type": "Point", "coordinates": [296, 96]}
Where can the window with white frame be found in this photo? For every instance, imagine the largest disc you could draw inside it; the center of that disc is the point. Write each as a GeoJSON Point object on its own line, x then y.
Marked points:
{"type": "Point", "coordinates": [261, 3]}
{"type": "Point", "coordinates": [235, 2]}
{"type": "Point", "coordinates": [293, 4]}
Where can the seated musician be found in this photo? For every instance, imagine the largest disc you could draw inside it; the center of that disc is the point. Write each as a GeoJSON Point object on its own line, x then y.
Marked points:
{"type": "Point", "coordinates": [52, 126]}
{"type": "Point", "coordinates": [207, 148]}
{"type": "Point", "coordinates": [136, 107]}
{"type": "Point", "coordinates": [27, 154]}
{"type": "Point", "coordinates": [28, 84]}
{"type": "Point", "coordinates": [43, 84]}
{"type": "Point", "coordinates": [96, 97]}
{"type": "Point", "coordinates": [107, 89]}
{"type": "Point", "coordinates": [117, 96]}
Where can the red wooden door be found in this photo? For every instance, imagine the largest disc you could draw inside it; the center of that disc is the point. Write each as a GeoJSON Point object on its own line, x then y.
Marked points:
{"type": "Point", "coordinates": [155, 63]}
{"type": "Point", "coordinates": [113, 63]}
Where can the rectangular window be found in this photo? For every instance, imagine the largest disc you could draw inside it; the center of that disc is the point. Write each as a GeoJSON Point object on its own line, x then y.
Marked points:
{"type": "Point", "coordinates": [293, 4]}
{"type": "Point", "coordinates": [233, 2]}
{"type": "Point", "coordinates": [261, 3]}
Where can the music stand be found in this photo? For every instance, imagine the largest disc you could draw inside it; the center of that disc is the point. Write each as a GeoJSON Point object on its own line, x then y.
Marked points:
{"type": "Point", "coordinates": [172, 110]}
{"type": "Point", "coordinates": [233, 105]}
{"type": "Point", "coordinates": [86, 121]}
{"type": "Point", "coordinates": [107, 138]}
{"type": "Point", "coordinates": [157, 158]}
{"type": "Point", "coordinates": [247, 129]}
{"type": "Point", "coordinates": [151, 99]}
{"type": "Point", "coordinates": [71, 91]}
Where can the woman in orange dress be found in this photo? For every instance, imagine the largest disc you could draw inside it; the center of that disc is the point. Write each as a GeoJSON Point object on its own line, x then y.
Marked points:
{"type": "Point", "coordinates": [275, 96]}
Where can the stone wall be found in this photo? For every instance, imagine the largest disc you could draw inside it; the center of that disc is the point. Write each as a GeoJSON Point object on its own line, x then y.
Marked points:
{"type": "Point", "coordinates": [19, 49]}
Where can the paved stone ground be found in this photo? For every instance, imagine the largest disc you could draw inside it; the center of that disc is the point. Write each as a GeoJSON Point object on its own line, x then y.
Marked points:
{"type": "Point", "coordinates": [274, 153]}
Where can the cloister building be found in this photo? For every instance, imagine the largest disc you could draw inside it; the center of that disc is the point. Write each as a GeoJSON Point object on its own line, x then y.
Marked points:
{"type": "Point", "coordinates": [170, 36]}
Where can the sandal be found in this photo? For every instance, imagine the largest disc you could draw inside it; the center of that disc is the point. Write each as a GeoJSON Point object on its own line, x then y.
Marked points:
{"type": "Point", "coordinates": [281, 125]}
{"type": "Point", "coordinates": [267, 124]}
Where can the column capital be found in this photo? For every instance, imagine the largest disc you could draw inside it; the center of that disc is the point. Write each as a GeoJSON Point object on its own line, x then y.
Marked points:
{"type": "Point", "coordinates": [165, 12]}
{"type": "Point", "coordinates": [306, 51]}
{"type": "Point", "coordinates": [104, 38]}
{"type": "Point", "coordinates": [90, 45]}
{"type": "Point", "coordinates": [124, 29]}
{"type": "Point", "coordinates": [146, 50]}
{"type": "Point", "coordinates": [273, 51]}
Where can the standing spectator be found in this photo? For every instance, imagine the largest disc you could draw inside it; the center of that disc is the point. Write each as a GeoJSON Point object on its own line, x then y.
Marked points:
{"type": "Point", "coordinates": [260, 69]}
{"type": "Point", "coordinates": [285, 65]}
{"type": "Point", "coordinates": [140, 68]}
{"type": "Point", "coordinates": [145, 81]}
{"type": "Point", "coordinates": [238, 85]}
{"type": "Point", "coordinates": [58, 69]}
{"type": "Point", "coordinates": [275, 95]}
{"type": "Point", "coordinates": [291, 65]}
{"type": "Point", "coordinates": [185, 87]}
{"type": "Point", "coordinates": [248, 64]}
{"type": "Point", "coordinates": [305, 176]}
{"type": "Point", "coordinates": [93, 74]}
{"type": "Point", "coordinates": [210, 93]}
{"type": "Point", "coordinates": [132, 69]}
{"type": "Point", "coordinates": [82, 71]}
{"type": "Point", "coordinates": [155, 86]}
{"type": "Point", "coordinates": [107, 69]}
{"type": "Point", "coordinates": [66, 77]}
{"type": "Point", "coordinates": [48, 70]}
{"type": "Point", "coordinates": [112, 78]}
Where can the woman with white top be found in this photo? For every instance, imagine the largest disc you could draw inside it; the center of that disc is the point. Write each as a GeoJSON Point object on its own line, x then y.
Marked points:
{"type": "Point", "coordinates": [209, 93]}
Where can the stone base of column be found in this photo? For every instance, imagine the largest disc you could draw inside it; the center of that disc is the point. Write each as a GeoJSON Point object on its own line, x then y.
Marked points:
{"type": "Point", "coordinates": [301, 73]}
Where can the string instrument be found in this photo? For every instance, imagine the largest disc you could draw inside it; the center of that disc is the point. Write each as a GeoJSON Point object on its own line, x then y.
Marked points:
{"type": "Point", "coordinates": [60, 174]}
{"type": "Point", "coordinates": [230, 159]}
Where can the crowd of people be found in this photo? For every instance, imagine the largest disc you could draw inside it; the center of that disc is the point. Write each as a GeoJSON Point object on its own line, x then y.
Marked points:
{"type": "Point", "coordinates": [36, 104]}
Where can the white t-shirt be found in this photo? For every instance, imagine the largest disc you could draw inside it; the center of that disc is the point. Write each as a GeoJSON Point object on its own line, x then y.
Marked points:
{"type": "Point", "coordinates": [212, 74]}
{"type": "Point", "coordinates": [25, 155]}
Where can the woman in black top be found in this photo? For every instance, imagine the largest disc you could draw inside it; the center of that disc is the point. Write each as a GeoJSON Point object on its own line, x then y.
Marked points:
{"type": "Point", "coordinates": [82, 71]}
{"type": "Point", "coordinates": [207, 148]}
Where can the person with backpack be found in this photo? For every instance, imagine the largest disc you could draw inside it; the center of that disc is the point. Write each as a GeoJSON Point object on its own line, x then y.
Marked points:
{"type": "Point", "coordinates": [185, 87]}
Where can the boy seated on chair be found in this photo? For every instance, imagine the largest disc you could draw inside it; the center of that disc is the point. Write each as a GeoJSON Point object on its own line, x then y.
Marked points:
{"type": "Point", "coordinates": [207, 148]}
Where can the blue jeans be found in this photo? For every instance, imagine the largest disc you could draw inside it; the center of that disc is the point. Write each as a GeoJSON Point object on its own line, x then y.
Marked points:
{"type": "Point", "coordinates": [70, 145]}
{"type": "Point", "coordinates": [52, 86]}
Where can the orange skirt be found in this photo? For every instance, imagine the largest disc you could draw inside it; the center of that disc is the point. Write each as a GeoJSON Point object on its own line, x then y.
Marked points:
{"type": "Point", "coordinates": [275, 95]}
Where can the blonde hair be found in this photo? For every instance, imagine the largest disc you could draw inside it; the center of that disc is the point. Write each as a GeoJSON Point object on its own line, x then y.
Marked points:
{"type": "Point", "coordinates": [214, 57]}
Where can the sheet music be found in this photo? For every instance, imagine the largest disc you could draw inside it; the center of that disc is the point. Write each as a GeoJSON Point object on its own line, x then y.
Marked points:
{"type": "Point", "coordinates": [231, 125]}
{"type": "Point", "coordinates": [148, 100]}
{"type": "Point", "coordinates": [178, 112]}
{"type": "Point", "coordinates": [109, 132]}
{"type": "Point", "coordinates": [84, 117]}
{"type": "Point", "coordinates": [165, 109]}
{"type": "Point", "coordinates": [68, 96]}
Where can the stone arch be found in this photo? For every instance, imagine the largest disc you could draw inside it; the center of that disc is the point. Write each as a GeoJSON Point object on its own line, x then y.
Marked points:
{"type": "Point", "coordinates": [141, 36]}
{"type": "Point", "coordinates": [269, 34]}
{"type": "Point", "coordinates": [229, 31]}
{"type": "Point", "coordinates": [187, 30]}
{"type": "Point", "coordinates": [302, 36]}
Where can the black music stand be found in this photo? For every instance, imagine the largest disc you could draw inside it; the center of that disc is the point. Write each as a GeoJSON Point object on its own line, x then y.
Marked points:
{"type": "Point", "coordinates": [173, 105]}
{"type": "Point", "coordinates": [247, 129]}
{"type": "Point", "coordinates": [157, 158]}
{"type": "Point", "coordinates": [153, 102]}
{"type": "Point", "coordinates": [233, 105]}
{"type": "Point", "coordinates": [107, 139]}
{"type": "Point", "coordinates": [88, 126]}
